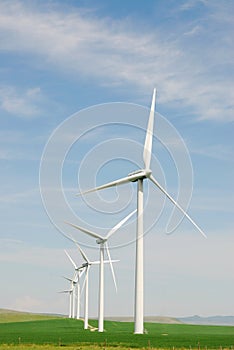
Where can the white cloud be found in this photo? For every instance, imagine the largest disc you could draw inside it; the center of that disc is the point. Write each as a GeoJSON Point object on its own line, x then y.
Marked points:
{"type": "Point", "coordinates": [190, 4]}
{"type": "Point", "coordinates": [195, 30]}
{"type": "Point", "coordinates": [120, 53]}
{"type": "Point", "coordinates": [217, 151]}
{"type": "Point", "coordinates": [20, 103]}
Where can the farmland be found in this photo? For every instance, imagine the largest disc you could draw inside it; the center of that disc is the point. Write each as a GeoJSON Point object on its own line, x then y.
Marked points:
{"type": "Point", "coordinates": [67, 332]}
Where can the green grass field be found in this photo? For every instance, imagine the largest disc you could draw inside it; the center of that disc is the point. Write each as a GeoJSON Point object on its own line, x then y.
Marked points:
{"type": "Point", "coordinates": [62, 331]}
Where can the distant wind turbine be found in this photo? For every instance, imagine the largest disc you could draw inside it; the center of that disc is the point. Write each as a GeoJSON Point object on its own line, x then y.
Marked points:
{"type": "Point", "coordinates": [72, 293]}
{"type": "Point", "coordinates": [102, 241]}
{"type": "Point", "coordinates": [86, 265]}
{"type": "Point", "coordinates": [79, 270]}
{"type": "Point", "coordinates": [139, 176]}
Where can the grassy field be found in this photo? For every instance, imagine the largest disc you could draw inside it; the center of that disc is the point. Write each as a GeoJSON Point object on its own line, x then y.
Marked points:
{"type": "Point", "coordinates": [62, 331]}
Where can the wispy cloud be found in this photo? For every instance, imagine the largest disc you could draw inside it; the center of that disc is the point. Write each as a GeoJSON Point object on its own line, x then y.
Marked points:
{"type": "Point", "coordinates": [217, 151]}
{"type": "Point", "coordinates": [20, 197]}
{"type": "Point", "coordinates": [190, 4]}
{"type": "Point", "coordinates": [195, 30]}
{"type": "Point", "coordinates": [20, 103]}
{"type": "Point", "coordinates": [119, 53]}
{"type": "Point", "coordinates": [206, 201]}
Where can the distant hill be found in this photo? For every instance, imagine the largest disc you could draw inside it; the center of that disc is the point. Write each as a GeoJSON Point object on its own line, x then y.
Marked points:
{"type": "Point", "coordinates": [18, 316]}
{"type": "Point", "coordinates": [150, 319]}
{"type": "Point", "coordinates": [212, 320]}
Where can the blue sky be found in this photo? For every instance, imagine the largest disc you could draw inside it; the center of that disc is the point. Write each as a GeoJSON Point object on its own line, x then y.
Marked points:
{"type": "Point", "coordinates": [59, 58]}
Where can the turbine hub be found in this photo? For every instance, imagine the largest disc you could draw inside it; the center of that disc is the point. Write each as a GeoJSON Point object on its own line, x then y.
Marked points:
{"type": "Point", "coordinates": [148, 172]}
{"type": "Point", "coordinates": [139, 174]}
{"type": "Point", "coordinates": [100, 241]}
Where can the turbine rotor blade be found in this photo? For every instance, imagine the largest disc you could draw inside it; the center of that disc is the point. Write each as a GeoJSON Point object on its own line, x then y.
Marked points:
{"type": "Point", "coordinates": [93, 234]}
{"type": "Point", "coordinates": [82, 253]}
{"type": "Point", "coordinates": [90, 233]}
{"type": "Point", "coordinates": [111, 266]}
{"type": "Point", "coordinates": [149, 134]}
{"type": "Point", "coordinates": [105, 262]}
{"type": "Point", "coordinates": [71, 260]}
{"type": "Point", "coordinates": [121, 223]}
{"type": "Point", "coordinates": [176, 204]}
{"type": "Point", "coordinates": [68, 279]}
{"type": "Point", "coordinates": [81, 273]}
{"type": "Point", "coordinates": [110, 184]}
{"type": "Point", "coordinates": [71, 238]}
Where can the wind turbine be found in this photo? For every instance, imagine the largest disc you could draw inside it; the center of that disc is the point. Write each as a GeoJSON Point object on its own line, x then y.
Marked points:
{"type": "Point", "coordinates": [102, 241]}
{"type": "Point", "coordinates": [139, 176]}
{"type": "Point", "coordinates": [79, 272]}
{"type": "Point", "coordinates": [72, 295]}
{"type": "Point", "coordinates": [86, 265]}
{"type": "Point", "coordinates": [70, 301]}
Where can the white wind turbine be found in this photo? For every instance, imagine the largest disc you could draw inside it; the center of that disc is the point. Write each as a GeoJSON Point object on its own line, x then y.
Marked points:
{"type": "Point", "coordinates": [102, 241]}
{"type": "Point", "coordinates": [79, 270]}
{"type": "Point", "coordinates": [70, 291]}
{"type": "Point", "coordinates": [139, 176]}
{"type": "Point", "coordinates": [86, 266]}
{"type": "Point", "coordinates": [72, 295]}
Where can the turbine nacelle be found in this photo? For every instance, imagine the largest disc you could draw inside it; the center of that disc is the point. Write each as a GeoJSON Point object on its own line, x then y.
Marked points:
{"type": "Point", "coordinates": [139, 174]}
{"type": "Point", "coordinates": [101, 241]}
{"type": "Point", "coordinates": [84, 265]}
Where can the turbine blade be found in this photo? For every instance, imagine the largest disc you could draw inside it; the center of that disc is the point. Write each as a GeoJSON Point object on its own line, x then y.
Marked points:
{"type": "Point", "coordinates": [94, 262]}
{"type": "Point", "coordinates": [110, 184]}
{"type": "Point", "coordinates": [176, 204]}
{"type": "Point", "coordinates": [81, 273]}
{"type": "Point", "coordinates": [90, 233]}
{"type": "Point", "coordinates": [121, 223]}
{"type": "Point", "coordinates": [75, 278]}
{"type": "Point", "coordinates": [71, 238]}
{"type": "Point", "coordinates": [111, 266]}
{"type": "Point", "coordinates": [82, 253]}
{"type": "Point", "coordinates": [105, 262]}
{"type": "Point", "coordinates": [108, 261]}
{"type": "Point", "coordinates": [149, 134]}
{"type": "Point", "coordinates": [72, 261]}
{"type": "Point", "coordinates": [68, 279]}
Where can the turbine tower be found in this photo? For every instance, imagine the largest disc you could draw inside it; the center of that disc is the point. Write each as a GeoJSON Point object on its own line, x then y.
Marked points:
{"type": "Point", "coordinates": [139, 176]}
{"type": "Point", "coordinates": [102, 242]}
